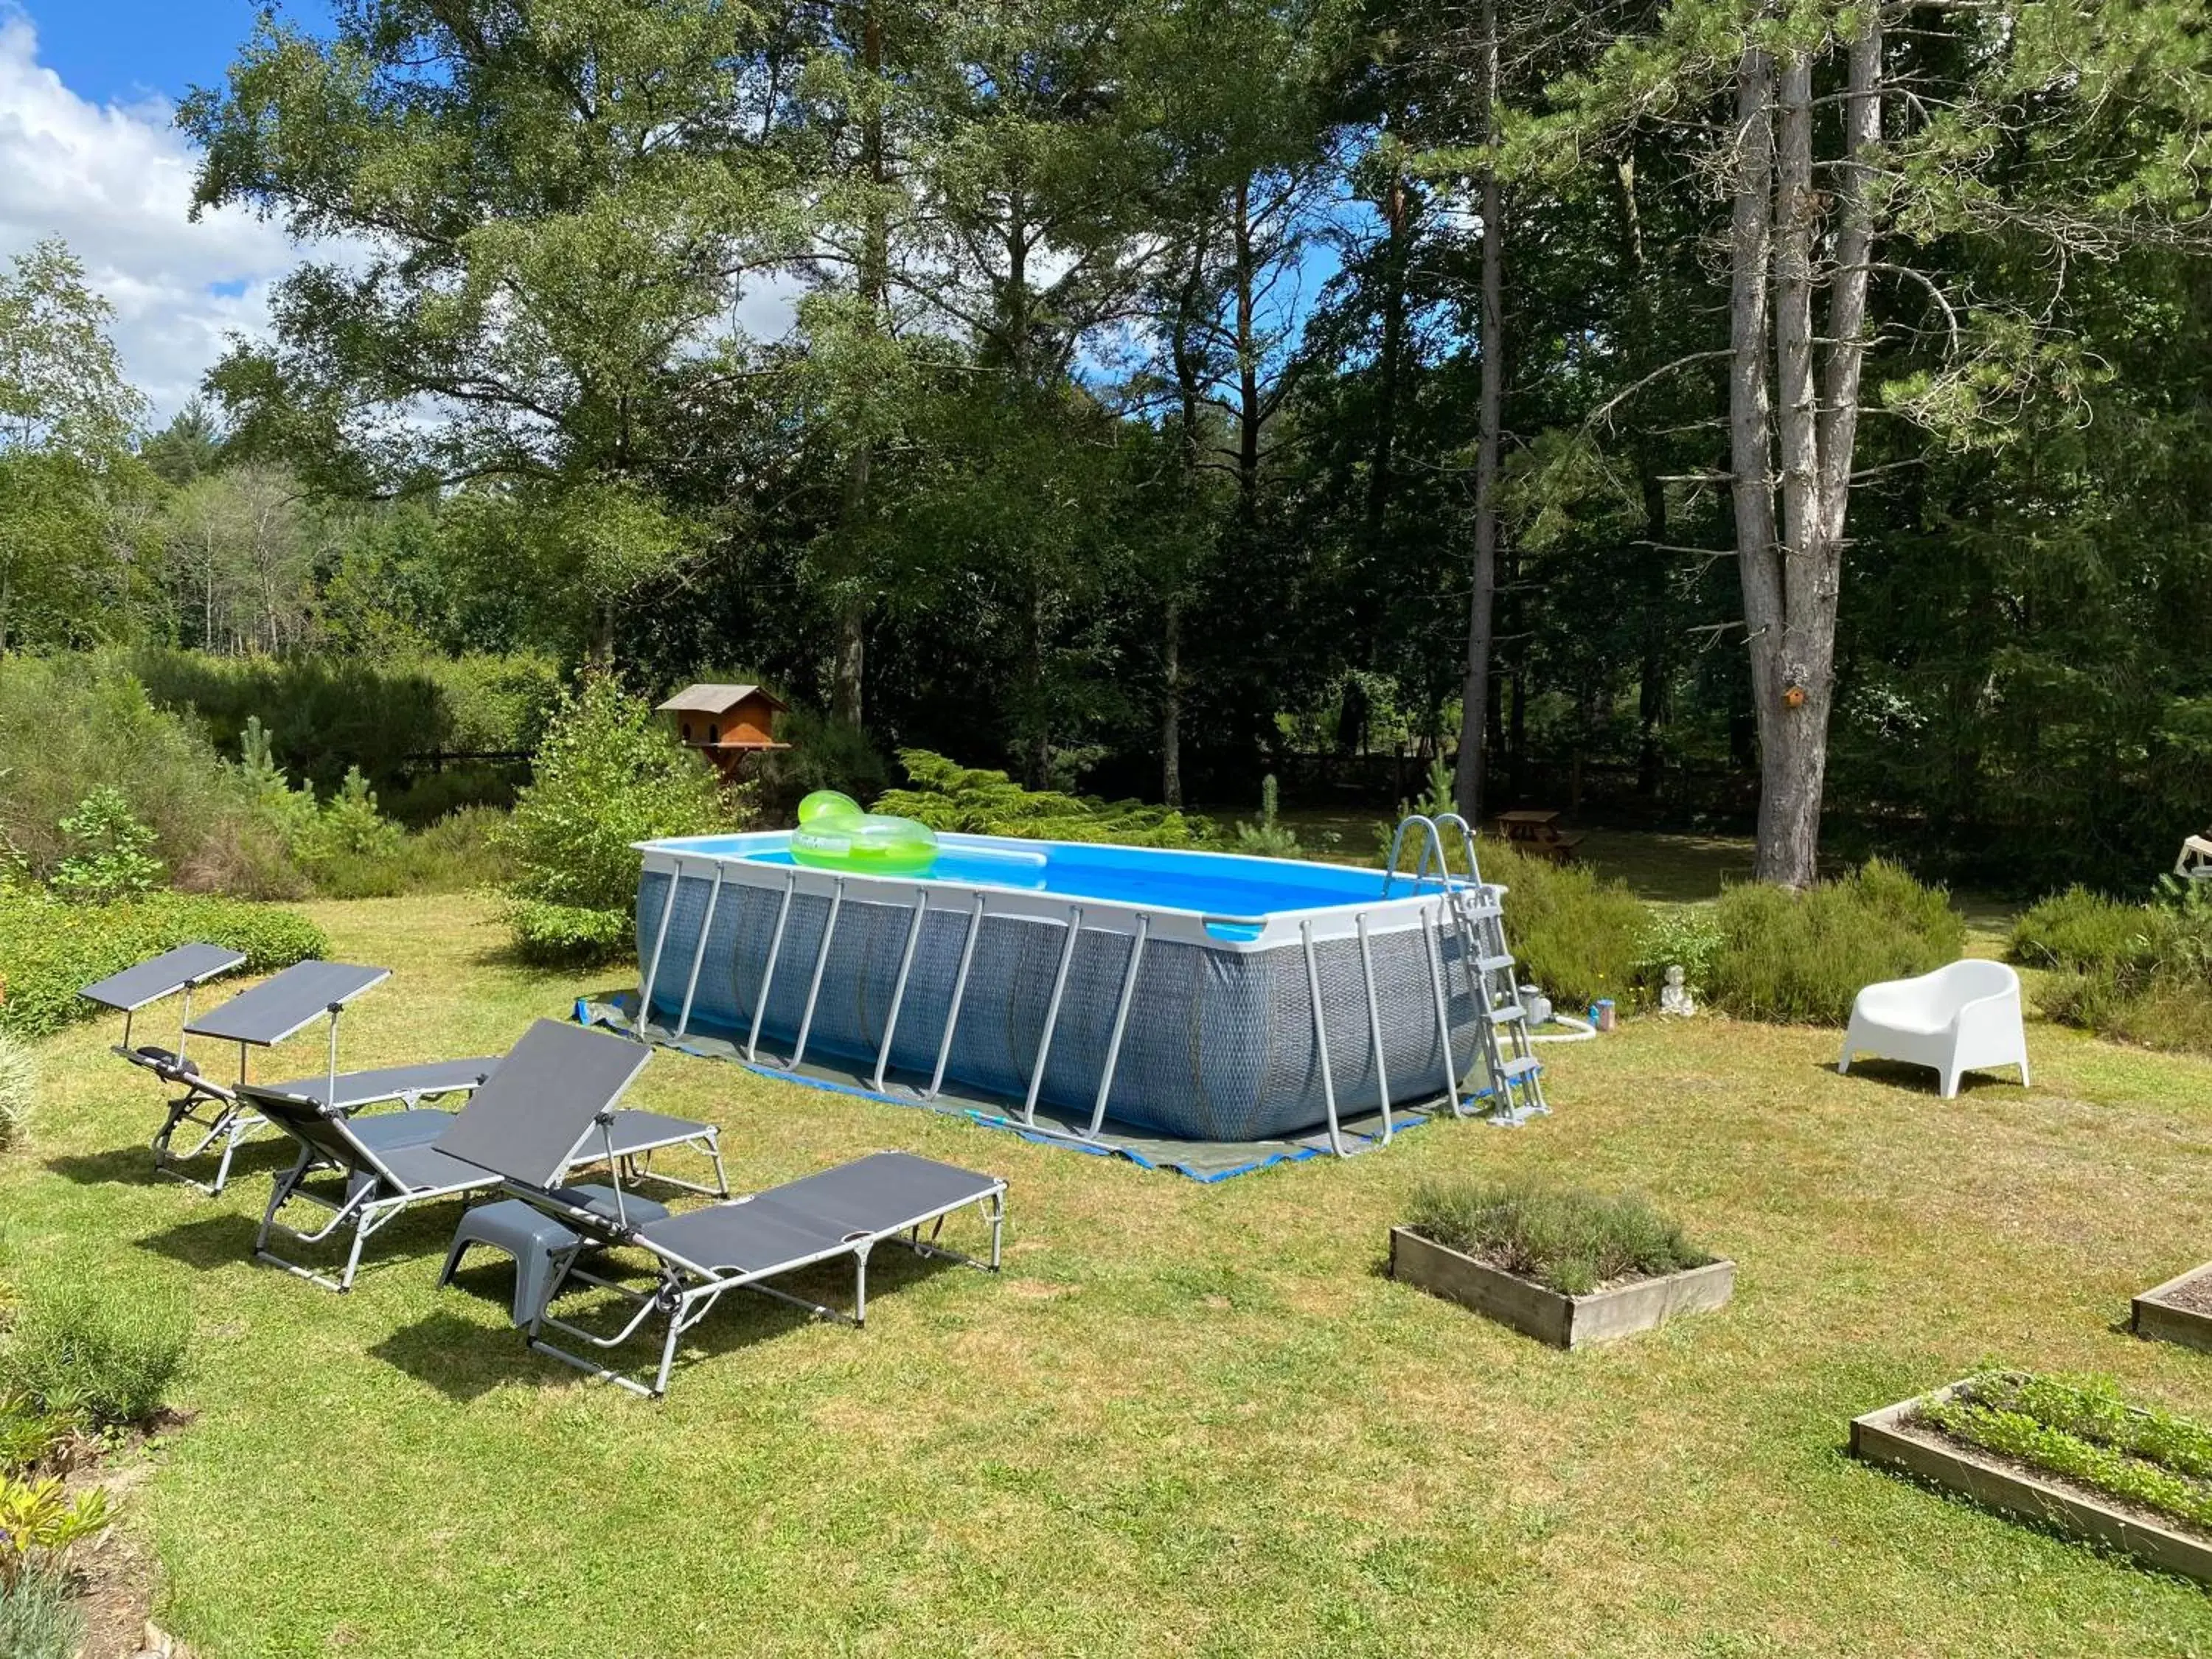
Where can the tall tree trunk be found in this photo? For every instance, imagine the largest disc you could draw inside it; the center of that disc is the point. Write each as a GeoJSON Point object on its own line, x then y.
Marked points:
{"type": "Point", "coordinates": [1651, 687]}
{"type": "Point", "coordinates": [1190, 441]}
{"type": "Point", "coordinates": [1751, 444]}
{"type": "Point", "coordinates": [847, 674]}
{"type": "Point", "coordinates": [1171, 705]}
{"type": "Point", "coordinates": [1475, 693]}
{"type": "Point", "coordinates": [1792, 580]}
{"type": "Point", "coordinates": [1249, 415]}
{"type": "Point", "coordinates": [1397, 211]}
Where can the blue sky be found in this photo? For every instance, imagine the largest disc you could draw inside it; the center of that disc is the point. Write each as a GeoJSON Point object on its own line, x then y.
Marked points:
{"type": "Point", "coordinates": [121, 52]}
{"type": "Point", "coordinates": [89, 153]}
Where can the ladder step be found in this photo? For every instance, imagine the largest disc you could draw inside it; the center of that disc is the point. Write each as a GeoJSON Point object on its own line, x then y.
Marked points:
{"type": "Point", "coordinates": [1493, 964]}
{"type": "Point", "coordinates": [1475, 912]}
{"type": "Point", "coordinates": [1518, 1068]}
{"type": "Point", "coordinates": [1506, 1013]}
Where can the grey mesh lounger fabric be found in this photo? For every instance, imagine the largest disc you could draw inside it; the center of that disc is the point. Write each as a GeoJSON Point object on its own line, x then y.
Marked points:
{"type": "Point", "coordinates": [384, 1166]}
{"type": "Point", "coordinates": [701, 1254]}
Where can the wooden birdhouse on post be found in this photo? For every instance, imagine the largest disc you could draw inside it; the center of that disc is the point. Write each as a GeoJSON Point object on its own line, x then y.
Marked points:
{"type": "Point", "coordinates": [726, 723]}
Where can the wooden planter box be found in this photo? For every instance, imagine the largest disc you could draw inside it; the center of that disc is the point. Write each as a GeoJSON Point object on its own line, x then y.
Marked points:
{"type": "Point", "coordinates": [1886, 1437]}
{"type": "Point", "coordinates": [2152, 1315]}
{"type": "Point", "coordinates": [1564, 1322]}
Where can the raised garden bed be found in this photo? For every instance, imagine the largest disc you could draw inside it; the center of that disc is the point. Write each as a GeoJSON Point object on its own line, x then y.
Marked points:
{"type": "Point", "coordinates": [1554, 1316]}
{"type": "Point", "coordinates": [2179, 1311]}
{"type": "Point", "coordinates": [2066, 1452]}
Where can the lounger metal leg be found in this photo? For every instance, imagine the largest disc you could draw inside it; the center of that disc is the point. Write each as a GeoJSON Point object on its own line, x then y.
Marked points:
{"type": "Point", "coordinates": [898, 990]}
{"type": "Point", "coordinates": [767, 970]}
{"type": "Point", "coordinates": [699, 953]}
{"type": "Point", "coordinates": [1321, 1038]}
{"type": "Point", "coordinates": [1120, 1025]}
{"type": "Point", "coordinates": [353, 1253]}
{"type": "Point", "coordinates": [1375, 1024]}
{"type": "Point", "coordinates": [1443, 1016]}
{"type": "Point", "coordinates": [1052, 1014]}
{"type": "Point", "coordinates": [814, 989]}
{"type": "Point", "coordinates": [660, 943]}
{"type": "Point", "coordinates": [959, 992]}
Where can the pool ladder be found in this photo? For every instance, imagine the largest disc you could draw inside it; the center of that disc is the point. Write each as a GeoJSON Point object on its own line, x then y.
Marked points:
{"type": "Point", "coordinates": [1476, 913]}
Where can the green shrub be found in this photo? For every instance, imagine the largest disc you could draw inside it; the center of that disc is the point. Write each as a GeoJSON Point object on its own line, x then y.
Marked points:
{"type": "Point", "coordinates": [346, 826]}
{"type": "Point", "coordinates": [108, 1354]}
{"type": "Point", "coordinates": [48, 950]}
{"type": "Point", "coordinates": [111, 853]}
{"type": "Point", "coordinates": [2138, 973]}
{"type": "Point", "coordinates": [1681, 935]}
{"type": "Point", "coordinates": [1804, 956]}
{"type": "Point", "coordinates": [38, 1618]}
{"type": "Point", "coordinates": [18, 1083]}
{"type": "Point", "coordinates": [566, 932]}
{"type": "Point", "coordinates": [1565, 1238]}
{"type": "Point", "coordinates": [2084, 932]}
{"type": "Point", "coordinates": [1577, 935]}
{"type": "Point", "coordinates": [72, 726]}
{"type": "Point", "coordinates": [29, 1435]}
{"type": "Point", "coordinates": [975, 801]}
{"type": "Point", "coordinates": [608, 773]}
{"type": "Point", "coordinates": [460, 852]}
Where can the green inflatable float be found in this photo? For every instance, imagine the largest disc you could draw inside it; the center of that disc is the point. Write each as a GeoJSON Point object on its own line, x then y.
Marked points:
{"type": "Point", "coordinates": [835, 833]}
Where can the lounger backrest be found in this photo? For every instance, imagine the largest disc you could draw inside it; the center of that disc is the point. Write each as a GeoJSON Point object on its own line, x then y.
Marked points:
{"type": "Point", "coordinates": [528, 1121]}
{"type": "Point", "coordinates": [329, 1137]}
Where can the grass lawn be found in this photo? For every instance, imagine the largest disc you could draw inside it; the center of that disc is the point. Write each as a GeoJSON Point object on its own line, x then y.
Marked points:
{"type": "Point", "coordinates": [1185, 1420]}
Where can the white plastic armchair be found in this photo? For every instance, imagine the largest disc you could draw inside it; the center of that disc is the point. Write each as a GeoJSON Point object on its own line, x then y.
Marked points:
{"type": "Point", "coordinates": [1960, 1018]}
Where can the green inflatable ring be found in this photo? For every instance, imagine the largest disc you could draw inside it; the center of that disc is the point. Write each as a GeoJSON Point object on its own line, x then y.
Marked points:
{"type": "Point", "coordinates": [835, 833]}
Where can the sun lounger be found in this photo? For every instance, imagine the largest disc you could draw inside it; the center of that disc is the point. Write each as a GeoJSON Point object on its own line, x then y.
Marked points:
{"type": "Point", "coordinates": [155, 979]}
{"type": "Point", "coordinates": [280, 1007]}
{"type": "Point", "coordinates": [531, 1139]}
{"type": "Point", "coordinates": [379, 1167]}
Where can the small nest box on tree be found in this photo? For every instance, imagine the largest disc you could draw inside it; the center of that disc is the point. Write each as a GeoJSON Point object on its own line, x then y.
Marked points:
{"type": "Point", "coordinates": [726, 723]}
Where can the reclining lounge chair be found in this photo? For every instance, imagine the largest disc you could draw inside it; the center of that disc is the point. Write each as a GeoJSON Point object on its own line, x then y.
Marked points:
{"type": "Point", "coordinates": [531, 1137]}
{"type": "Point", "coordinates": [382, 1166]}
{"type": "Point", "coordinates": [153, 980]}
{"type": "Point", "coordinates": [280, 1007]}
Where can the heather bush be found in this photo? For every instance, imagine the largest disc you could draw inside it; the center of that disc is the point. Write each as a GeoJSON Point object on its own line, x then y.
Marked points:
{"type": "Point", "coordinates": [1804, 956]}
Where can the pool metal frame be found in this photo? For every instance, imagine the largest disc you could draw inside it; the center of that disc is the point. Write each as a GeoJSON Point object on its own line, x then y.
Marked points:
{"type": "Point", "coordinates": [1437, 901]}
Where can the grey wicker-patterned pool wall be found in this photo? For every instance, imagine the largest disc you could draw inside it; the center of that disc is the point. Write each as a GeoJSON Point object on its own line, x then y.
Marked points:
{"type": "Point", "coordinates": [1212, 1038]}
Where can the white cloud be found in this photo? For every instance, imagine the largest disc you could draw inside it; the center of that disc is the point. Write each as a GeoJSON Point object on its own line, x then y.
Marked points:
{"type": "Point", "coordinates": [115, 182]}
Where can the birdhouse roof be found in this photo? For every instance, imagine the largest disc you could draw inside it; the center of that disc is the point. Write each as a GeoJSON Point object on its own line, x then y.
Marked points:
{"type": "Point", "coordinates": [716, 699]}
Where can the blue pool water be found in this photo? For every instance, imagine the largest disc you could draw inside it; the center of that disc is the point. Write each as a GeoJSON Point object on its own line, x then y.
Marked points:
{"type": "Point", "coordinates": [1214, 884]}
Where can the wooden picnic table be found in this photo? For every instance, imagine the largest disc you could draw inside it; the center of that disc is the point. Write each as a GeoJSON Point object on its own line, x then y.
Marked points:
{"type": "Point", "coordinates": [1537, 831]}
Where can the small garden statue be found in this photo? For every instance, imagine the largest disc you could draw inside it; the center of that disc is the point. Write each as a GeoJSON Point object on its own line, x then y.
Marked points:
{"type": "Point", "coordinates": [1674, 996]}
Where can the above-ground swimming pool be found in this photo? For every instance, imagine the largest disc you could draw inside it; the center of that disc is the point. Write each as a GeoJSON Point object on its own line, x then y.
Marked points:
{"type": "Point", "coordinates": [1207, 995]}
